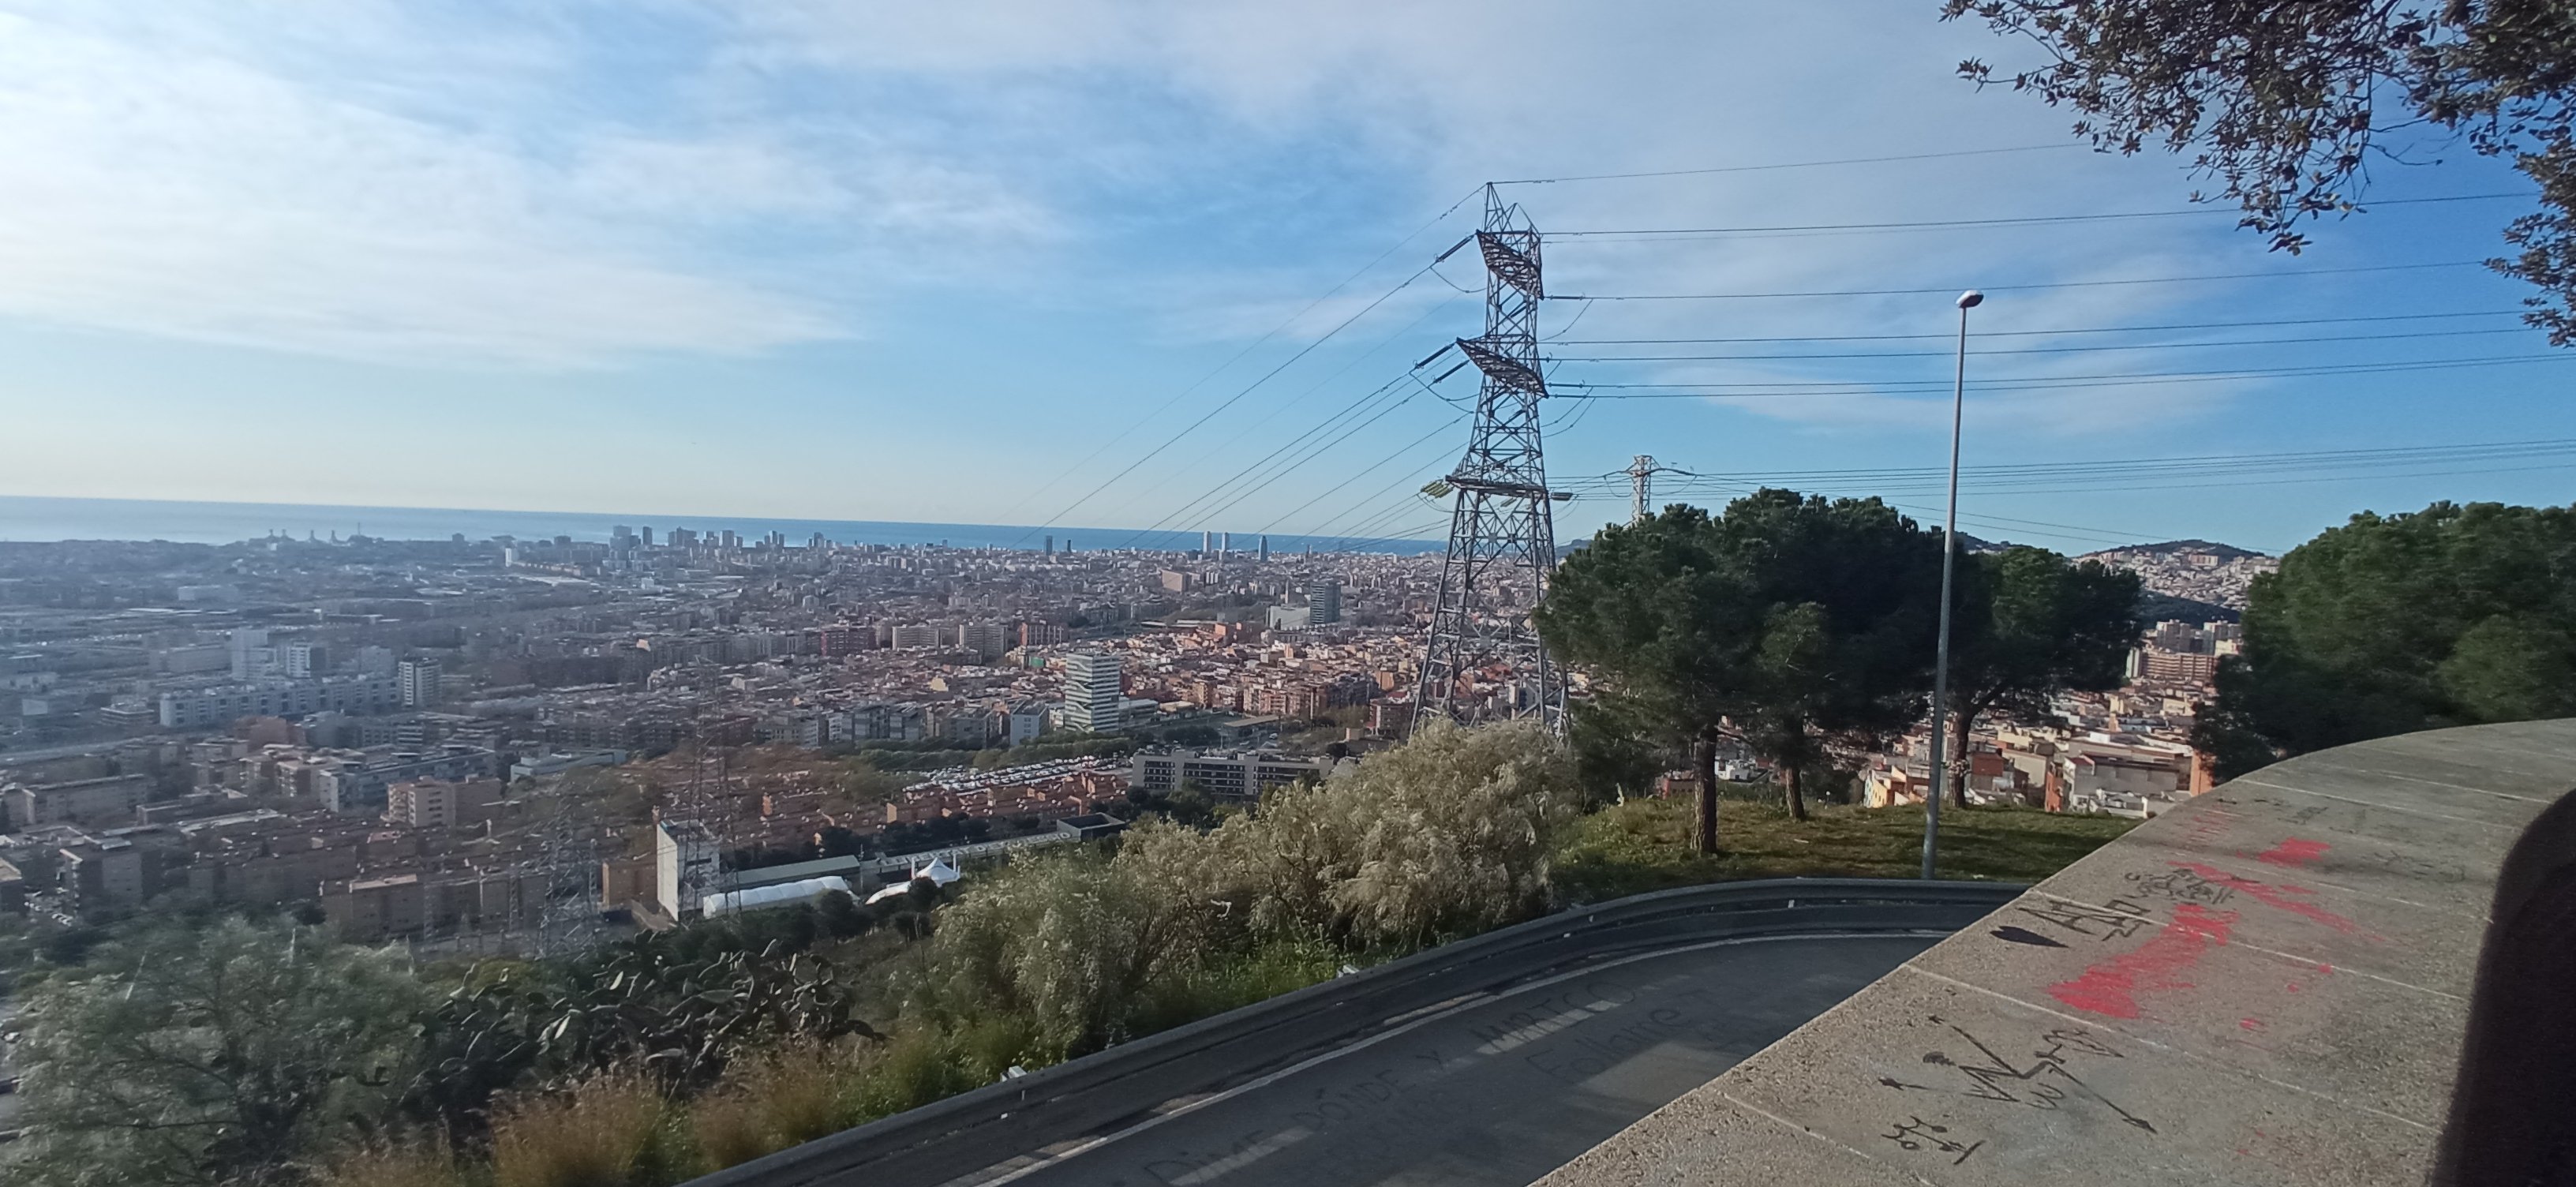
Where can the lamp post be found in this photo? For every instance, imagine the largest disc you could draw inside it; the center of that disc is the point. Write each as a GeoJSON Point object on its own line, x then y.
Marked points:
{"type": "Point", "coordinates": [1949, 559]}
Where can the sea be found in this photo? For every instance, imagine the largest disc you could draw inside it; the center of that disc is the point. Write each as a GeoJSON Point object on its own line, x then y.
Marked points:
{"type": "Point", "coordinates": [26, 518]}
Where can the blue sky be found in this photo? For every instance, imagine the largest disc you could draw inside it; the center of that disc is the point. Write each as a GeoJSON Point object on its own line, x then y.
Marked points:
{"type": "Point", "coordinates": [917, 262]}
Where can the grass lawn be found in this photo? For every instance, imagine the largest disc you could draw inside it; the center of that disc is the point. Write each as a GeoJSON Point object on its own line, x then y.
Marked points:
{"type": "Point", "coordinates": [1644, 845]}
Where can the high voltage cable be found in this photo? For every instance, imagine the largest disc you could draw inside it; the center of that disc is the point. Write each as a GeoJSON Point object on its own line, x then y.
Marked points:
{"type": "Point", "coordinates": [1239, 356]}
{"type": "Point", "coordinates": [1389, 459]}
{"type": "Point", "coordinates": [1229, 402]}
{"type": "Point", "coordinates": [1342, 523]}
{"type": "Point", "coordinates": [1953, 223]}
{"type": "Point", "coordinates": [2058, 146]}
{"type": "Point", "coordinates": [1300, 397]}
{"type": "Point", "coordinates": [2136, 379]}
{"type": "Point", "coordinates": [1219, 490]}
{"type": "Point", "coordinates": [2001, 288]}
{"type": "Point", "coordinates": [1948, 335]}
{"type": "Point", "coordinates": [2383, 455]}
{"type": "Point", "coordinates": [2173, 485]}
{"type": "Point", "coordinates": [1319, 450]}
{"type": "Point", "coordinates": [2067, 531]}
{"type": "Point", "coordinates": [1943, 354]}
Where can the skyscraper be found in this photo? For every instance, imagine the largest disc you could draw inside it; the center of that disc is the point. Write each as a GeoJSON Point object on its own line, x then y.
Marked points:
{"type": "Point", "coordinates": [1207, 543]}
{"type": "Point", "coordinates": [1050, 547]}
{"type": "Point", "coordinates": [251, 654]}
{"type": "Point", "coordinates": [1265, 548]}
{"type": "Point", "coordinates": [1093, 692]}
{"type": "Point", "coordinates": [1325, 597]}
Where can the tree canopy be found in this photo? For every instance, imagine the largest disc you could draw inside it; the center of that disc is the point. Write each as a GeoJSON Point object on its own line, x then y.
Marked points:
{"type": "Point", "coordinates": [2028, 624]}
{"type": "Point", "coordinates": [1793, 618]}
{"type": "Point", "coordinates": [2285, 101]}
{"type": "Point", "coordinates": [214, 1055]}
{"type": "Point", "coordinates": [2448, 616]}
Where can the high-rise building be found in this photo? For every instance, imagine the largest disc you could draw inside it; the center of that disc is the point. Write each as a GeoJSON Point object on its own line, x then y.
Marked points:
{"type": "Point", "coordinates": [1094, 694]}
{"type": "Point", "coordinates": [252, 656]}
{"type": "Point", "coordinates": [985, 639]}
{"type": "Point", "coordinates": [621, 537]}
{"type": "Point", "coordinates": [1207, 543]}
{"type": "Point", "coordinates": [420, 682]}
{"type": "Point", "coordinates": [646, 535]}
{"type": "Point", "coordinates": [1265, 548]}
{"type": "Point", "coordinates": [1324, 596]}
{"type": "Point", "coordinates": [1050, 547]}
{"type": "Point", "coordinates": [303, 660]}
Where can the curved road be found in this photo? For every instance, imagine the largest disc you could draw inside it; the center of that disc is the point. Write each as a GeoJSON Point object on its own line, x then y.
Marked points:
{"type": "Point", "coordinates": [1495, 1089]}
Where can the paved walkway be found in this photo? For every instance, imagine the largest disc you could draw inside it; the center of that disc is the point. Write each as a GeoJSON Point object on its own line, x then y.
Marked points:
{"type": "Point", "coordinates": [1500, 1091]}
{"type": "Point", "coordinates": [2265, 986]}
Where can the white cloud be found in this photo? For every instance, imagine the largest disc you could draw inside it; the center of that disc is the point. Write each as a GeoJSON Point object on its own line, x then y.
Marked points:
{"type": "Point", "coordinates": [159, 182]}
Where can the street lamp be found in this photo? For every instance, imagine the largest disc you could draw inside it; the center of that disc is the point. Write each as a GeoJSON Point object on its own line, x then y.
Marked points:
{"type": "Point", "coordinates": [1949, 558]}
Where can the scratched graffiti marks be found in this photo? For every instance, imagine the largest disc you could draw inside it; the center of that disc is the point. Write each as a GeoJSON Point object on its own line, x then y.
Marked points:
{"type": "Point", "coordinates": [2409, 865]}
{"type": "Point", "coordinates": [1919, 1134]}
{"type": "Point", "coordinates": [2178, 886]}
{"type": "Point", "coordinates": [2043, 1080]}
{"type": "Point", "coordinates": [2117, 921]}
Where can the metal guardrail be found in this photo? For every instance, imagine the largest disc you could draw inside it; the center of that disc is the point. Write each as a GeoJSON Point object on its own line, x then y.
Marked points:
{"type": "Point", "coordinates": [978, 1129]}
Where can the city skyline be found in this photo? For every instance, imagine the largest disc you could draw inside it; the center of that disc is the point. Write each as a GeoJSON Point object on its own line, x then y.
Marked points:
{"type": "Point", "coordinates": [821, 266]}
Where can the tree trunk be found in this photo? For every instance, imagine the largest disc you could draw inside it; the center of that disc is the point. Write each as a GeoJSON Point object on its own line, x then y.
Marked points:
{"type": "Point", "coordinates": [1959, 756]}
{"type": "Point", "coordinates": [1797, 791]}
{"type": "Point", "coordinates": [1704, 757]}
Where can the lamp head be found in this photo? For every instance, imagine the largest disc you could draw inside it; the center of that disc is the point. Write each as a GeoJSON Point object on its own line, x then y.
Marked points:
{"type": "Point", "coordinates": [1971, 299]}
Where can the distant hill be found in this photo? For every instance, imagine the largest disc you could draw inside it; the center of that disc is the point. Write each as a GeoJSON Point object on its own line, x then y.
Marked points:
{"type": "Point", "coordinates": [2193, 580]}
{"type": "Point", "coordinates": [2175, 547]}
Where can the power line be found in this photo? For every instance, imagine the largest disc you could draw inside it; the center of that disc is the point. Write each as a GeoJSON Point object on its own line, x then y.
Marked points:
{"type": "Point", "coordinates": [1943, 354]}
{"type": "Point", "coordinates": [1957, 223]}
{"type": "Point", "coordinates": [2058, 146]}
{"type": "Point", "coordinates": [2125, 467]}
{"type": "Point", "coordinates": [1389, 459]}
{"type": "Point", "coordinates": [2133, 379]}
{"type": "Point", "coordinates": [1230, 401]}
{"type": "Point", "coordinates": [1239, 356]}
{"type": "Point", "coordinates": [1996, 288]}
{"type": "Point", "coordinates": [1946, 336]}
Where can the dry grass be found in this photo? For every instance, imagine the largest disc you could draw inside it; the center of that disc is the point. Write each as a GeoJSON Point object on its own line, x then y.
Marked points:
{"type": "Point", "coordinates": [423, 1163]}
{"type": "Point", "coordinates": [606, 1132]}
{"type": "Point", "coordinates": [777, 1100]}
{"type": "Point", "coordinates": [1644, 845]}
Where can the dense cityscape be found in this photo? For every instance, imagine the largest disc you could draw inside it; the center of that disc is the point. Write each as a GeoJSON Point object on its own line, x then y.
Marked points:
{"type": "Point", "coordinates": [459, 741]}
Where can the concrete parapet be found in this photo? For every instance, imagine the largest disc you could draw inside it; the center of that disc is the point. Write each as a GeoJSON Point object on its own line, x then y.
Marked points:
{"type": "Point", "coordinates": [2267, 985]}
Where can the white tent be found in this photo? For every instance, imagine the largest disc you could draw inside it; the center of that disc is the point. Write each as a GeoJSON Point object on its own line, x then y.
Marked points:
{"type": "Point", "coordinates": [939, 872]}
{"type": "Point", "coordinates": [783, 894]}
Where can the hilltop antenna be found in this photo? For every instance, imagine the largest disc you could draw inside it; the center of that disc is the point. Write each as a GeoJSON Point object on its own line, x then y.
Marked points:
{"type": "Point", "coordinates": [1502, 532]}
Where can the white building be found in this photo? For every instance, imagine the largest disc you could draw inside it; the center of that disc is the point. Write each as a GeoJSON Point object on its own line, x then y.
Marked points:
{"type": "Point", "coordinates": [209, 708]}
{"type": "Point", "coordinates": [419, 680]}
{"type": "Point", "coordinates": [252, 657]}
{"type": "Point", "coordinates": [1094, 699]}
{"type": "Point", "coordinates": [685, 864]}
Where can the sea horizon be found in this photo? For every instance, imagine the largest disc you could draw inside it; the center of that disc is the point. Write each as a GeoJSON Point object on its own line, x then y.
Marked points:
{"type": "Point", "coordinates": [34, 519]}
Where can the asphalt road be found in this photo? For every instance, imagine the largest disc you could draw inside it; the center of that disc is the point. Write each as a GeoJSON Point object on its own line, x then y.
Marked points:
{"type": "Point", "coordinates": [1496, 1091]}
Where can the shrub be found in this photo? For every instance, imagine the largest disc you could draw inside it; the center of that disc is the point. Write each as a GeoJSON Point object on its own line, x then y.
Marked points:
{"type": "Point", "coordinates": [607, 1131]}
{"type": "Point", "coordinates": [777, 1100]}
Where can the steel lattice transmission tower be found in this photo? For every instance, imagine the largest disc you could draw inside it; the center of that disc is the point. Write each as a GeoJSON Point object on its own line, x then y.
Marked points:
{"type": "Point", "coordinates": [1641, 473]}
{"type": "Point", "coordinates": [1502, 533]}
